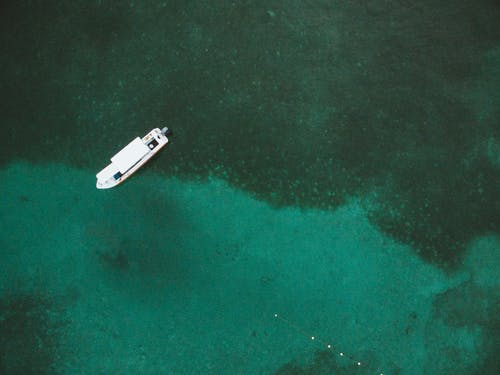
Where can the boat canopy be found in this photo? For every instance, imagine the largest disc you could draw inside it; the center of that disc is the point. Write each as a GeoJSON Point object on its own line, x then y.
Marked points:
{"type": "Point", "coordinates": [130, 155]}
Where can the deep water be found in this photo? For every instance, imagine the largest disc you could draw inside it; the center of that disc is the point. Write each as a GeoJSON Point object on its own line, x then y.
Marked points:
{"type": "Point", "coordinates": [331, 187]}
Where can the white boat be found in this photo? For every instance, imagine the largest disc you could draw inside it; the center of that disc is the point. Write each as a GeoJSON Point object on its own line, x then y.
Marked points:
{"type": "Point", "coordinates": [131, 158]}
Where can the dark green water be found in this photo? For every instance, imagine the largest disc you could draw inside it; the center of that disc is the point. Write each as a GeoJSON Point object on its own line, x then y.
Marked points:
{"type": "Point", "coordinates": [333, 174]}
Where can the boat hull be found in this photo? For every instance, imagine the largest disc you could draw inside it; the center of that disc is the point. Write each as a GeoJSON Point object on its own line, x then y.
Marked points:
{"type": "Point", "coordinates": [118, 171]}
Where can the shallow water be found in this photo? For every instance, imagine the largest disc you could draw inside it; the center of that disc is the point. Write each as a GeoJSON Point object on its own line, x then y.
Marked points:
{"type": "Point", "coordinates": [327, 204]}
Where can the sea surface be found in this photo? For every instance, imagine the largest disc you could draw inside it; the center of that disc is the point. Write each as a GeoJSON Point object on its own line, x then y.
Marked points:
{"type": "Point", "coordinates": [328, 203]}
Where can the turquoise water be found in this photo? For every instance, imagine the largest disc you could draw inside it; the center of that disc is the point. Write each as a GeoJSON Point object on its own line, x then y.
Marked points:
{"type": "Point", "coordinates": [328, 203]}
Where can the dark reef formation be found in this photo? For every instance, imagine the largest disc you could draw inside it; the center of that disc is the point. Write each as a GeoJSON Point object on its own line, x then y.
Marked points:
{"type": "Point", "coordinates": [324, 362]}
{"type": "Point", "coordinates": [475, 308]}
{"type": "Point", "coordinates": [305, 105]}
{"type": "Point", "coordinates": [30, 325]}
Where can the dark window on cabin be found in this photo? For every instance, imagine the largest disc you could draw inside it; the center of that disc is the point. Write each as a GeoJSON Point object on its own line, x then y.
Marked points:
{"type": "Point", "coordinates": [153, 144]}
{"type": "Point", "coordinates": [117, 175]}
